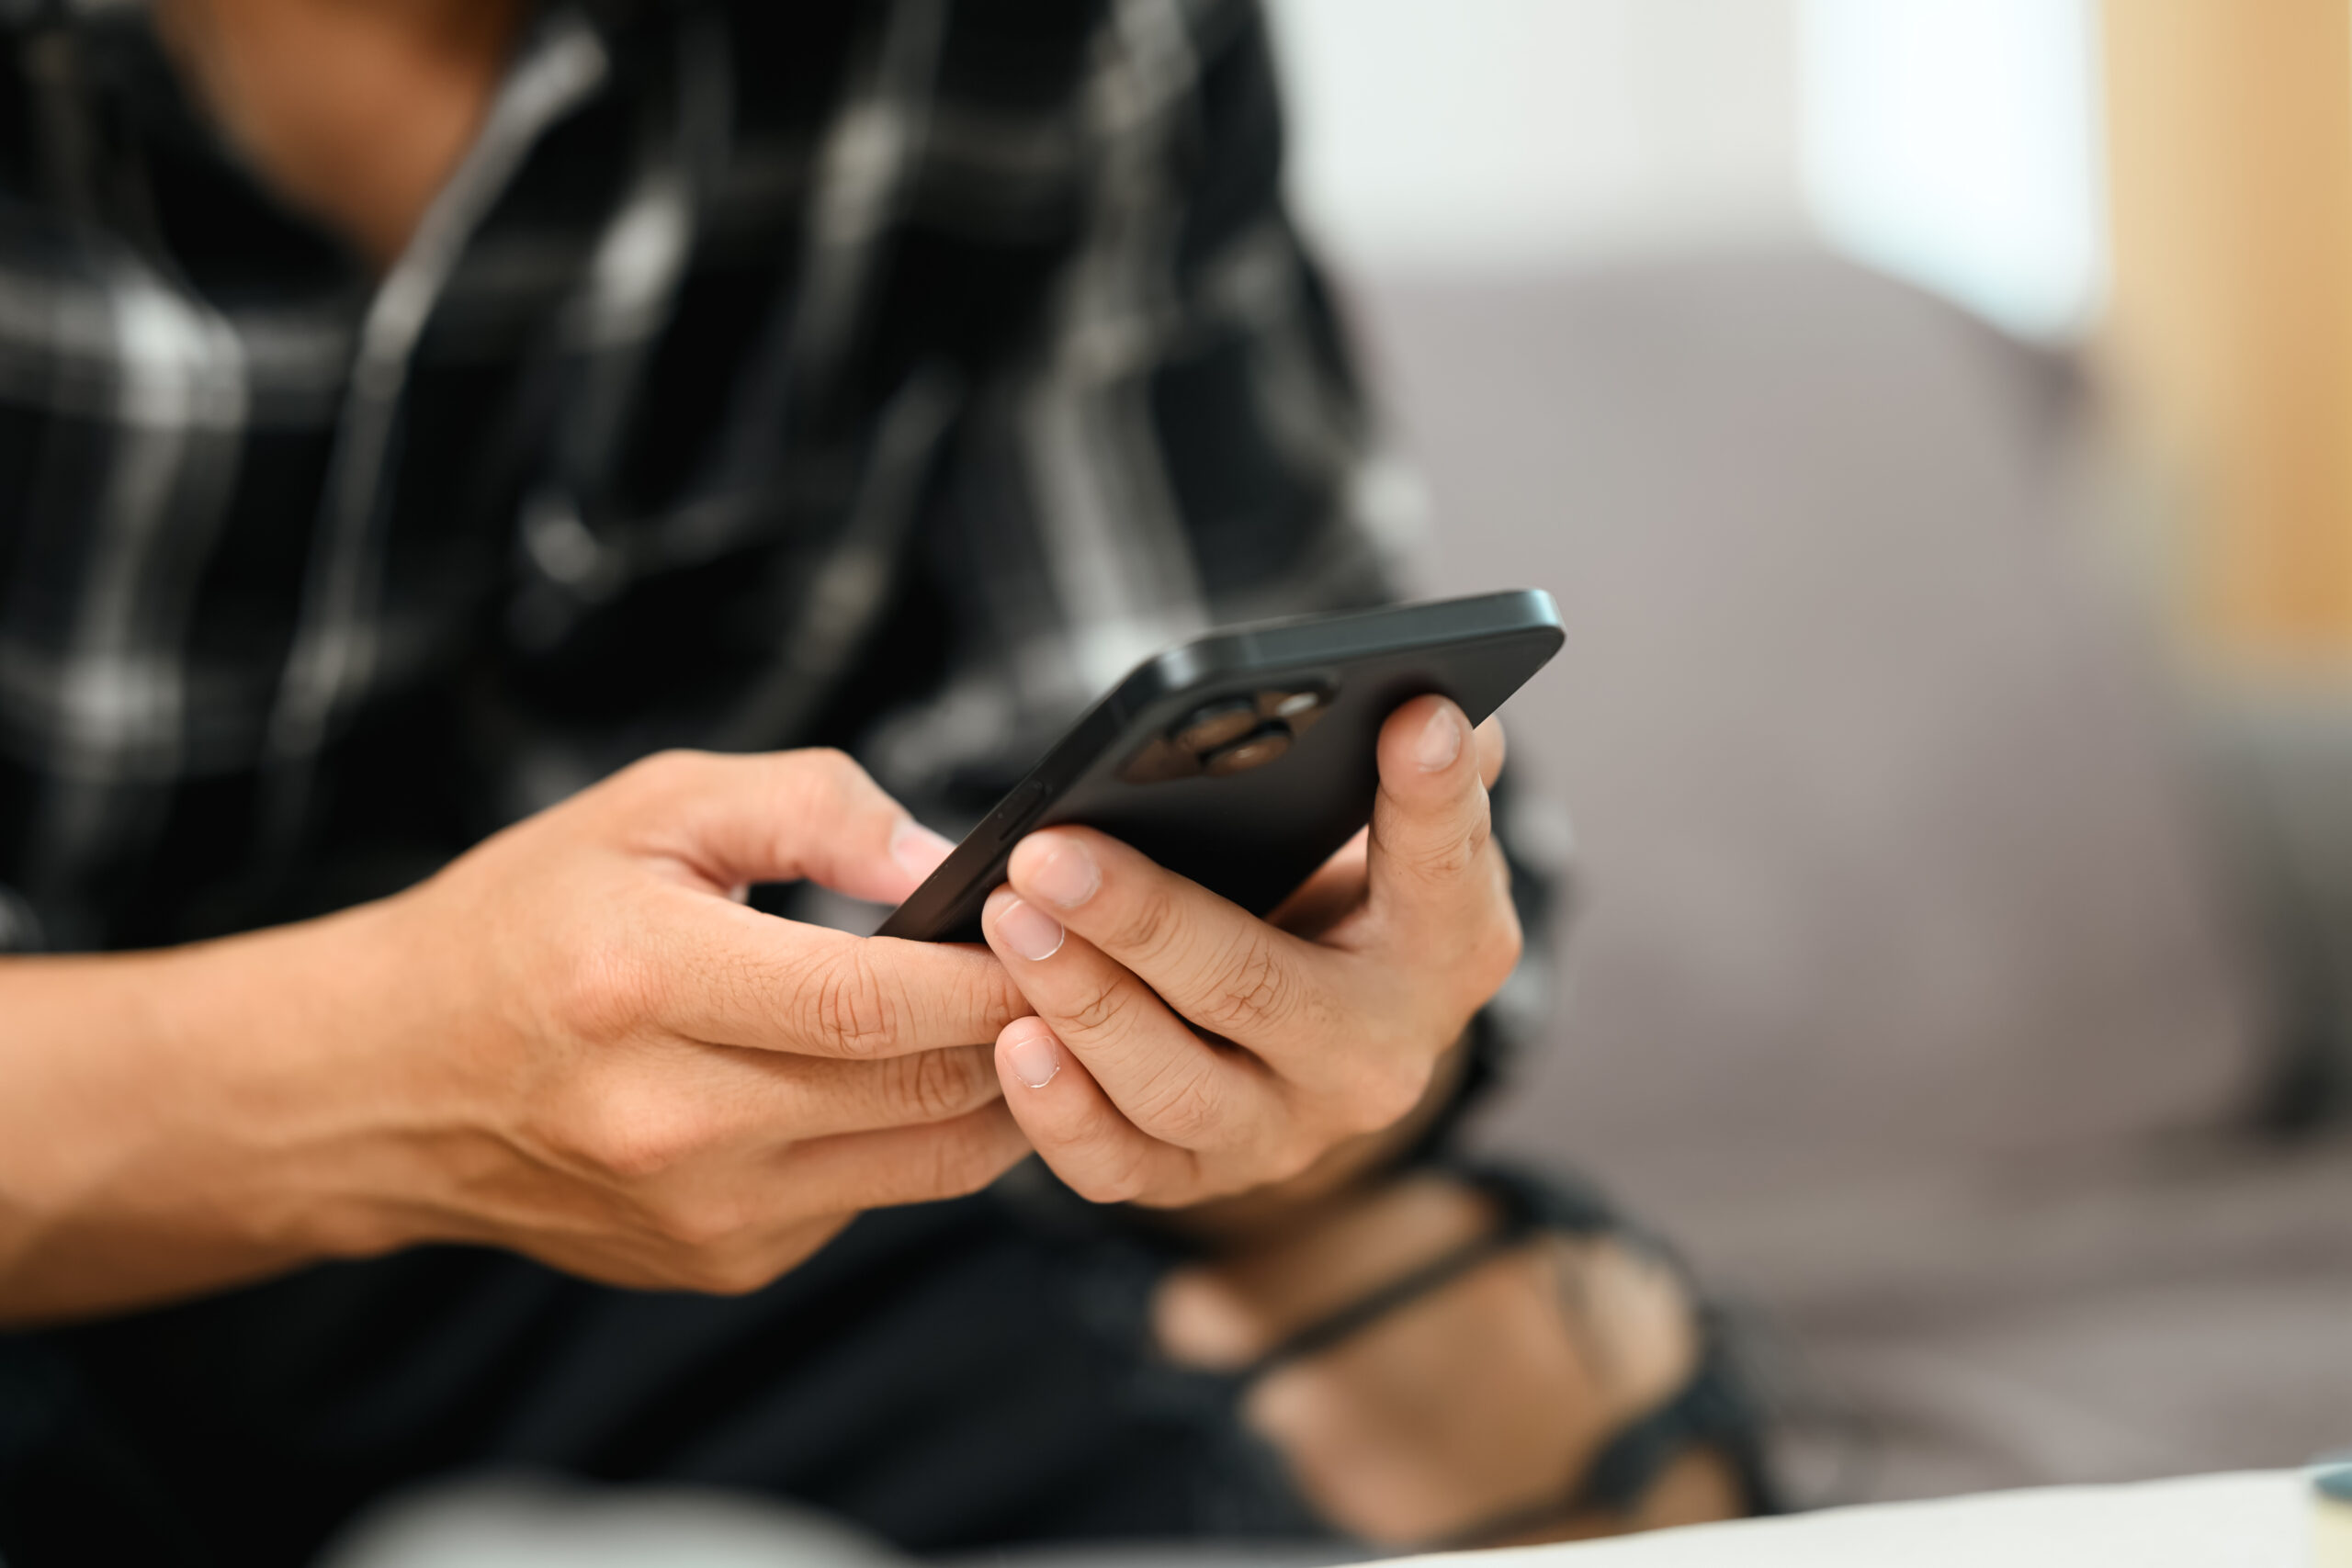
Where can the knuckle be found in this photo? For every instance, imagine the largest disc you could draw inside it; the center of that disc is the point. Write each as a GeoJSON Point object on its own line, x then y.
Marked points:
{"type": "Point", "coordinates": [851, 1009]}
{"type": "Point", "coordinates": [739, 1279]}
{"type": "Point", "coordinates": [990, 1001]}
{"type": "Point", "coordinates": [1383, 1096]}
{"type": "Point", "coordinates": [932, 1086]}
{"type": "Point", "coordinates": [1450, 856]}
{"type": "Point", "coordinates": [1255, 998]}
{"type": "Point", "coordinates": [1149, 924]}
{"type": "Point", "coordinates": [1121, 1178]}
{"type": "Point", "coordinates": [1491, 949]}
{"type": "Point", "coordinates": [702, 1226]}
{"type": "Point", "coordinates": [1404, 1091]}
{"type": "Point", "coordinates": [608, 989]}
{"type": "Point", "coordinates": [830, 775]}
{"type": "Point", "coordinates": [729, 1274]}
{"type": "Point", "coordinates": [1480, 830]}
{"type": "Point", "coordinates": [962, 1162]}
{"type": "Point", "coordinates": [1291, 1158]}
{"type": "Point", "coordinates": [751, 1258]}
{"type": "Point", "coordinates": [625, 1136]}
{"type": "Point", "coordinates": [630, 1151]}
{"type": "Point", "coordinates": [1451, 852]}
{"type": "Point", "coordinates": [831, 762]}
{"type": "Point", "coordinates": [661, 773]}
{"type": "Point", "coordinates": [1503, 951]}
{"type": "Point", "coordinates": [1100, 1008]}
{"type": "Point", "coordinates": [1180, 1105]}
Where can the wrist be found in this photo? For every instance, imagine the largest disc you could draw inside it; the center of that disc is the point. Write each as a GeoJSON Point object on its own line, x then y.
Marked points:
{"type": "Point", "coordinates": [188, 1119]}
{"type": "Point", "coordinates": [300, 1045]}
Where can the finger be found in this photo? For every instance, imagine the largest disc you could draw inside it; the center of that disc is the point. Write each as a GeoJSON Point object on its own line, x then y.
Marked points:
{"type": "Point", "coordinates": [1337, 888]}
{"type": "Point", "coordinates": [904, 1165]}
{"type": "Point", "coordinates": [690, 1099]}
{"type": "Point", "coordinates": [726, 974]}
{"type": "Point", "coordinates": [654, 1258]}
{"type": "Point", "coordinates": [1075, 1128]}
{"type": "Point", "coordinates": [1491, 750]}
{"type": "Point", "coordinates": [1325, 898]}
{"type": "Point", "coordinates": [1213, 961]}
{"type": "Point", "coordinates": [1171, 1084]}
{"type": "Point", "coordinates": [733, 1226]}
{"type": "Point", "coordinates": [1436, 882]}
{"type": "Point", "coordinates": [741, 1228]}
{"type": "Point", "coordinates": [775, 818]}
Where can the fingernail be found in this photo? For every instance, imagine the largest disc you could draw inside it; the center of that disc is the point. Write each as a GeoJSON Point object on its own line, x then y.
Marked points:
{"type": "Point", "coordinates": [1067, 874]}
{"type": "Point", "coordinates": [1035, 1057]}
{"type": "Point", "coordinates": [1029, 931]}
{"type": "Point", "coordinates": [917, 848]}
{"type": "Point", "coordinates": [1440, 741]}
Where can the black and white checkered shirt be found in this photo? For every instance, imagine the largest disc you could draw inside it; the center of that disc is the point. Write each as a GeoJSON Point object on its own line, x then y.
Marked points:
{"type": "Point", "coordinates": [890, 375]}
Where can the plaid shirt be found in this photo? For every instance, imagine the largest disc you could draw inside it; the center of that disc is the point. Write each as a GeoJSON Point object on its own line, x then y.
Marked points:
{"type": "Point", "coordinates": [887, 376]}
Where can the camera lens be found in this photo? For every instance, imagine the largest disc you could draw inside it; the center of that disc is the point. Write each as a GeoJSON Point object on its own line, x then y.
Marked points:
{"type": "Point", "coordinates": [1296, 703]}
{"type": "Point", "coordinates": [1262, 746]}
{"type": "Point", "coordinates": [1218, 724]}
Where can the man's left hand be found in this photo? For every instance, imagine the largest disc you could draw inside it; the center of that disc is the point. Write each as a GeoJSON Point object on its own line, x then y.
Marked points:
{"type": "Point", "coordinates": [1184, 1050]}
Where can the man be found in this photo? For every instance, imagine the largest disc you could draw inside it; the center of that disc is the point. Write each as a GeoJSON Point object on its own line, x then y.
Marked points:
{"type": "Point", "coordinates": [415, 412]}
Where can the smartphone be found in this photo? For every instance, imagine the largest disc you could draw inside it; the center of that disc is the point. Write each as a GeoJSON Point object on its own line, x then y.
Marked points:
{"type": "Point", "coordinates": [1244, 760]}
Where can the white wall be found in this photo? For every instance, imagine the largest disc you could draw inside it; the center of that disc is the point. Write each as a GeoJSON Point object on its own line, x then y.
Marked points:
{"type": "Point", "coordinates": [1951, 141]}
{"type": "Point", "coordinates": [1956, 142]}
{"type": "Point", "coordinates": [1474, 134]}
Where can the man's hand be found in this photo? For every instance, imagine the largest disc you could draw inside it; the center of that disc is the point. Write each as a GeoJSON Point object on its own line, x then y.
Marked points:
{"type": "Point", "coordinates": [1184, 1050]}
{"type": "Point", "coordinates": [575, 1042]}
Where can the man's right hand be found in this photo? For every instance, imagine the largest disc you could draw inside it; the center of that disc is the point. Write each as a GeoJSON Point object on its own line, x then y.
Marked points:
{"type": "Point", "coordinates": [575, 1042]}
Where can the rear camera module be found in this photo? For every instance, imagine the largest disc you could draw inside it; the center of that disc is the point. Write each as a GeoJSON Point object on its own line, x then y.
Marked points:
{"type": "Point", "coordinates": [1230, 734]}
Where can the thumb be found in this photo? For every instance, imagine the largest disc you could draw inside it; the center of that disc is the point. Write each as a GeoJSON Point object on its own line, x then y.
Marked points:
{"type": "Point", "coordinates": [1435, 877]}
{"type": "Point", "coordinates": [777, 817]}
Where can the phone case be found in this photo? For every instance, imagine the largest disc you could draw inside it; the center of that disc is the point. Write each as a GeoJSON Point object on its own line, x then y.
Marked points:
{"type": "Point", "coordinates": [1244, 759]}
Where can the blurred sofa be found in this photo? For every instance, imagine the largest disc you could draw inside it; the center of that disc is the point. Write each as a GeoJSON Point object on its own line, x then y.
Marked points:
{"type": "Point", "coordinates": [1906, 992]}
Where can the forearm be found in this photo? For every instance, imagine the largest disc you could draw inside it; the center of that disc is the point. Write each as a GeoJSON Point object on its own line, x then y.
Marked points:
{"type": "Point", "coordinates": [569, 1041]}
{"type": "Point", "coordinates": [186, 1118]}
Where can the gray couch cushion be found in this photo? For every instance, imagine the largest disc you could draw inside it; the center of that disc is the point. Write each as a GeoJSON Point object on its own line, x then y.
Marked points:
{"type": "Point", "coordinates": [1899, 906]}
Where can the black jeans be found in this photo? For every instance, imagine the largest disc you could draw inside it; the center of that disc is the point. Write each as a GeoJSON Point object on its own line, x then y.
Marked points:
{"type": "Point", "coordinates": [954, 1375]}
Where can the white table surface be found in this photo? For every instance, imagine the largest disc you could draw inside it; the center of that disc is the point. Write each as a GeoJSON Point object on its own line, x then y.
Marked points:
{"type": "Point", "coordinates": [2255, 1520]}
{"type": "Point", "coordinates": [2212, 1521]}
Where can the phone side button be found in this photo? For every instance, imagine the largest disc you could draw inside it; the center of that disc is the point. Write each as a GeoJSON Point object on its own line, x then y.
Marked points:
{"type": "Point", "coordinates": [1019, 807]}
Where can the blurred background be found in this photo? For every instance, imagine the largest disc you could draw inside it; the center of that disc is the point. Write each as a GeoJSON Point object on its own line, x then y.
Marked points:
{"type": "Point", "coordinates": [1935, 420]}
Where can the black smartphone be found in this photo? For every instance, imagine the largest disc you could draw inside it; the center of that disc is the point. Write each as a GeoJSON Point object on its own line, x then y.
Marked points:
{"type": "Point", "coordinates": [1244, 759]}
